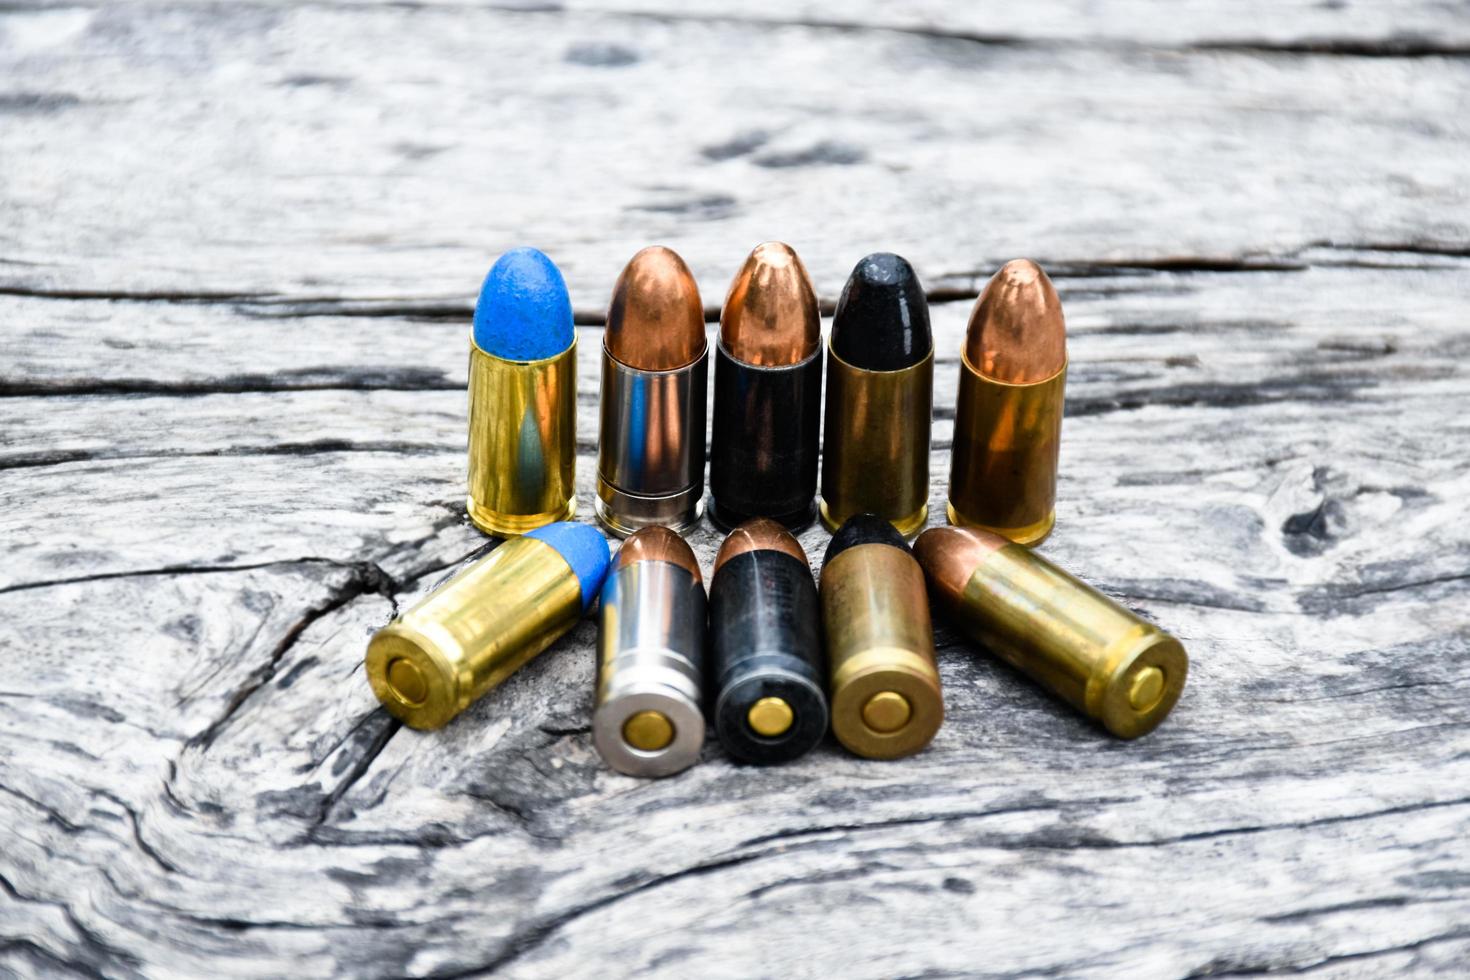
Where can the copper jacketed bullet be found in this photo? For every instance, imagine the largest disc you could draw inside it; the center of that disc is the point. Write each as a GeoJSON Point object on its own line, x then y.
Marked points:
{"type": "Point", "coordinates": [1008, 422]}
{"type": "Point", "coordinates": [770, 703]}
{"type": "Point", "coordinates": [649, 719]}
{"type": "Point", "coordinates": [655, 365]}
{"type": "Point", "coordinates": [886, 700]}
{"type": "Point", "coordinates": [880, 382]}
{"type": "Point", "coordinates": [1111, 665]}
{"type": "Point", "coordinates": [768, 384]}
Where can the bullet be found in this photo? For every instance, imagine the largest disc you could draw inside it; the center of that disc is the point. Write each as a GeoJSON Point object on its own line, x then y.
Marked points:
{"type": "Point", "coordinates": [880, 382]}
{"type": "Point", "coordinates": [655, 367]}
{"type": "Point", "coordinates": [886, 700]}
{"type": "Point", "coordinates": [649, 719]}
{"type": "Point", "coordinates": [523, 394]}
{"type": "Point", "coordinates": [474, 631]}
{"type": "Point", "coordinates": [1008, 421]}
{"type": "Point", "coordinates": [765, 640]}
{"type": "Point", "coordinates": [768, 389]}
{"type": "Point", "coordinates": [1114, 667]}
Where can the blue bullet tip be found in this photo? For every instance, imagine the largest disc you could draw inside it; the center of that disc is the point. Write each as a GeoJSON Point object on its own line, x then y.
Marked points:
{"type": "Point", "coordinates": [584, 548]}
{"type": "Point", "coordinates": [524, 312]}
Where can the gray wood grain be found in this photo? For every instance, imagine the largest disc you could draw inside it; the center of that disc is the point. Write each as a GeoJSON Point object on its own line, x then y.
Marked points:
{"type": "Point", "coordinates": [238, 253]}
{"type": "Point", "coordinates": [380, 152]}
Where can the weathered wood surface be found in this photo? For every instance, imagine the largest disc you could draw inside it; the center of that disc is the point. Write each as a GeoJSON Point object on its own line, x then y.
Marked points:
{"type": "Point", "coordinates": [238, 248]}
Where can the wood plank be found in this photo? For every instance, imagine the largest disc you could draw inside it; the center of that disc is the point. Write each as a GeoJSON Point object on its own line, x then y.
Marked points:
{"type": "Point", "coordinates": [198, 778]}
{"type": "Point", "coordinates": [239, 248]}
{"type": "Point", "coordinates": [338, 152]}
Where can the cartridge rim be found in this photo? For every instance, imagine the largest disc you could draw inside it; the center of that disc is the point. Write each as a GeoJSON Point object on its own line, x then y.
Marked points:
{"type": "Point", "coordinates": [907, 527]}
{"type": "Point", "coordinates": [803, 697]}
{"type": "Point", "coordinates": [1029, 536]}
{"type": "Point", "coordinates": [414, 653]}
{"type": "Point", "coordinates": [624, 513]}
{"type": "Point", "coordinates": [682, 749]}
{"type": "Point", "coordinates": [499, 525]}
{"type": "Point", "coordinates": [884, 672]}
{"type": "Point", "coordinates": [1129, 699]}
{"type": "Point", "coordinates": [727, 519]}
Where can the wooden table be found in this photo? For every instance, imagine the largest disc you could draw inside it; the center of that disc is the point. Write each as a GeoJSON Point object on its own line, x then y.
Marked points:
{"type": "Point", "coordinates": [239, 248]}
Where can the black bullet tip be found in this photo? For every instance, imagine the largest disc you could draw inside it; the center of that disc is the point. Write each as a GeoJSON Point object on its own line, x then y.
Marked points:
{"type": "Point", "coordinates": [882, 319]}
{"type": "Point", "coordinates": [863, 529]}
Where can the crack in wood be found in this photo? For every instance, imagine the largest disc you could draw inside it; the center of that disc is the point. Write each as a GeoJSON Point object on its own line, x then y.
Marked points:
{"type": "Point", "coordinates": [389, 728]}
{"type": "Point", "coordinates": [168, 570]}
{"type": "Point", "coordinates": [63, 457]}
{"type": "Point", "coordinates": [366, 578]}
{"type": "Point", "coordinates": [1232, 968]}
{"type": "Point", "coordinates": [272, 305]}
{"type": "Point", "coordinates": [1389, 47]}
{"type": "Point", "coordinates": [403, 379]}
{"type": "Point", "coordinates": [525, 939]}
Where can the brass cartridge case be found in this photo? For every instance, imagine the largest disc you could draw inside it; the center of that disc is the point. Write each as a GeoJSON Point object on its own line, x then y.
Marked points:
{"type": "Point", "coordinates": [473, 632]}
{"type": "Point", "coordinates": [1003, 470]}
{"type": "Point", "coordinates": [1111, 665]}
{"type": "Point", "coordinates": [886, 699]}
{"type": "Point", "coordinates": [523, 451]}
{"type": "Point", "coordinates": [876, 457]}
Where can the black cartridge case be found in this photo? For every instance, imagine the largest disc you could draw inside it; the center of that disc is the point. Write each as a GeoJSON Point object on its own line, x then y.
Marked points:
{"type": "Point", "coordinates": [763, 448]}
{"type": "Point", "coordinates": [768, 382]}
{"type": "Point", "coordinates": [770, 704]}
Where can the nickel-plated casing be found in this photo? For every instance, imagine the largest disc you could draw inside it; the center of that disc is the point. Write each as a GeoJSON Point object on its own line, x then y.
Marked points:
{"type": "Point", "coordinates": [651, 658]}
{"type": "Point", "coordinates": [474, 631]}
{"type": "Point", "coordinates": [1003, 465]}
{"type": "Point", "coordinates": [879, 643]}
{"type": "Point", "coordinates": [766, 647]}
{"type": "Point", "coordinates": [876, 445]}
{"type": "Point", "coordinates": [650, 462]}
{"type": "Point", "coordinates": [522, 441]}
{"type": "Point", "coordinates": [1108, 663]}
{"type": "Point", "coordinates": [764, 442]}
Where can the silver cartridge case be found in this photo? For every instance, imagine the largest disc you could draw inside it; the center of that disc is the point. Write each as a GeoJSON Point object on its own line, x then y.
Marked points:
{"type": "Point", "coordinates": [649, 719]}
{"type": "Point", "coordinates": [650, 464]}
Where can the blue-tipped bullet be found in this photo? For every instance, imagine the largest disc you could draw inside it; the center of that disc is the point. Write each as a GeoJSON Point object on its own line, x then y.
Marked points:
{"type": "Point", "coordinates": [473, 632]}
{"type": "Point", "coordinates": [523, 395]}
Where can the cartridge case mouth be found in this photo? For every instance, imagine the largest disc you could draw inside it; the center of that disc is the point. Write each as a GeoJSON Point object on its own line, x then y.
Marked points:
{"type": "Point", "coordinates": [1003, 463]}
{"type": "Point", "coordinates": [876, 444]}
{"type": "Point", "coordinates": [522, 441]}
{"type": "Point", "coordinates": [650, 467]}
{"type": "Point", "coordinates": [765, 441]}
{"type": "Point", "coordinates": [623, 513]}
{"type": "Point", "coordinates": [650, 666]}
{"type": "Point", "coordinates": [472, 632]}
{"type": "Point", "coordinates": [1118, 669]}
{"type": "Point", "coordinates": [886, 697]}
